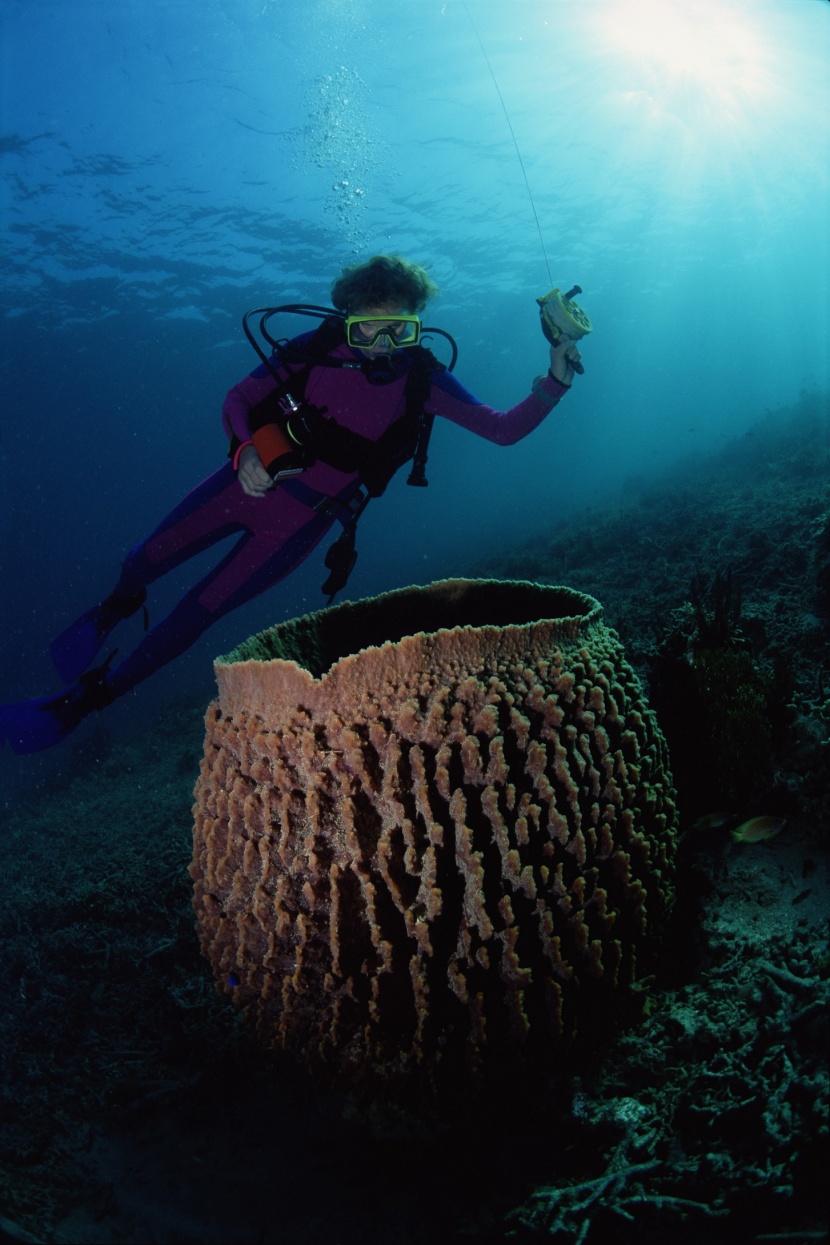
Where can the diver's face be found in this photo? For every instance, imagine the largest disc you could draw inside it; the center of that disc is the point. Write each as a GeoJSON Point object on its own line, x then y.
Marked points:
{"type": "Point", "coordinates": [385, 343]}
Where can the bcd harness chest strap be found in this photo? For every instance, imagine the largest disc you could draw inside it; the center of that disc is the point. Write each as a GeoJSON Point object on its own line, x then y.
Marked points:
{"type": "Point", "coordinates": [322, 439]}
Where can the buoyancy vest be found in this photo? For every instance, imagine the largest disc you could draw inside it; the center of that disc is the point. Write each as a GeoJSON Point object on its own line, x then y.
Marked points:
{"type": "Point", "coordinates": [319, 437]}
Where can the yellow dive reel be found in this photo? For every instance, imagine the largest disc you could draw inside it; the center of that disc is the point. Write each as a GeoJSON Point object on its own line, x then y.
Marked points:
{"type": "Point", "coordinates": [561, 317]}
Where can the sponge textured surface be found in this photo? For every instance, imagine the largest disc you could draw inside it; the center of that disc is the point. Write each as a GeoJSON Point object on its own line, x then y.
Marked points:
{"type": "Point", "coordinates": [444, 855]}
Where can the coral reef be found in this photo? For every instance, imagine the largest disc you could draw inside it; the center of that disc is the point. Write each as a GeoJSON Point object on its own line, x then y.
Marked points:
{"type": "Point", "coordinates": [446, 855]}
{"type": "Point", "coordinates": [716, 705]}
{"type": "Point", "coordinates": [692, 1121]}
{"type": "Point", "coordinates": [760, 507]}
{"type": "Point", "coordinates": [135, 1107]}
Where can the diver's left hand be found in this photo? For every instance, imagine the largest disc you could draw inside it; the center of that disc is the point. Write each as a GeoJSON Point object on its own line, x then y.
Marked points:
{"type": "Point", "coordinates": [562, 358]}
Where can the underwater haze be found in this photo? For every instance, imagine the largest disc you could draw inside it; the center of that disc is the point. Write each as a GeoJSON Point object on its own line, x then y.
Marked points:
{"type": "Point", "coordinates": [167, 166]}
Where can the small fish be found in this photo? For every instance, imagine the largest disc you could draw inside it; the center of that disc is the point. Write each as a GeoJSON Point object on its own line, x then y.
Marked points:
{"type": "Point", "coordinates": [758, 829]}
{"type": "Point", "coordinates": [714, 821]}
{"type": "Point", "coordinates": [233, 980]}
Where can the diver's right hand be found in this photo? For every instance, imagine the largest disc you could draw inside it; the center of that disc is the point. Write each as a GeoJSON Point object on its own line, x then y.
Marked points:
{"type": "Point", "coordinates": [252, 476]}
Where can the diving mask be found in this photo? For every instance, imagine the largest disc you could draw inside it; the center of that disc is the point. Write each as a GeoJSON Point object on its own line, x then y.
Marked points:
{"type": "Point", "coordinates": [364, 332]}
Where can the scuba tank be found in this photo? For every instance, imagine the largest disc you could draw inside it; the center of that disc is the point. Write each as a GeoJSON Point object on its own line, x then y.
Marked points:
{"type": "Point", "coordinates": [560, 317]}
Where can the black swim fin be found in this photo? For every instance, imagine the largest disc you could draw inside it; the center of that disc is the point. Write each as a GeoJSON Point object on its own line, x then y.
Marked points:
{"type": "Point", "coordinates": [32, 725]}
{"type": "Point", "coordinates": [76, 647]}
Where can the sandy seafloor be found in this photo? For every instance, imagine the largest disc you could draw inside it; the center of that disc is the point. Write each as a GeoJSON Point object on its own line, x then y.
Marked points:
{"type": "Point", "coordinates": [135, 1109]}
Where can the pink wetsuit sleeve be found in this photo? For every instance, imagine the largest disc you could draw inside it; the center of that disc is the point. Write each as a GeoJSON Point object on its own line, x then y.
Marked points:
{"type": "Point", "coordinates": [451, 400]}
{"type": "Point", "coordinates": [448, 398]}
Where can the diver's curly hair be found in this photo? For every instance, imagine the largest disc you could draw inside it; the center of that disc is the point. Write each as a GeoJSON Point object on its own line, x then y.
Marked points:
{"type": "Point", "coordinates": [383, 280]}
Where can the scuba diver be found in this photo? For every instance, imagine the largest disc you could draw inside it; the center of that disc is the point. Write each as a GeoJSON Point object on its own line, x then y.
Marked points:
{"type": "Point", "coordinates": [315, 432]}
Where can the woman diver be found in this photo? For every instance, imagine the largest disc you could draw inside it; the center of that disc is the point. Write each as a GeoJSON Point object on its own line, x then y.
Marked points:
{"type": "Point", "coordinates": [319, 428]}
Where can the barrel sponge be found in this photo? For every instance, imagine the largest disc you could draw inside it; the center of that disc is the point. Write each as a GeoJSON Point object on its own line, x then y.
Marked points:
{"type": "Point", "coordinates": [434, 835]}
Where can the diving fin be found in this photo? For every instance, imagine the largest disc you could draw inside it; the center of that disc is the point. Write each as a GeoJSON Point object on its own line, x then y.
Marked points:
{"type": "Point", "coordinates": [33, 725]}
{"type": "Point", "coordinates": [81, 642]}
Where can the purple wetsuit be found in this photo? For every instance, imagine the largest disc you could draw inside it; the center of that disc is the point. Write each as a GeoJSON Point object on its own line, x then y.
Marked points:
{"type": "Point", "coordinates": [277, 531]}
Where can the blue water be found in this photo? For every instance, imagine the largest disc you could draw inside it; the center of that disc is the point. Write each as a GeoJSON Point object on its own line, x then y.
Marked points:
{"type": "Point", "coordinates": [168, 165]}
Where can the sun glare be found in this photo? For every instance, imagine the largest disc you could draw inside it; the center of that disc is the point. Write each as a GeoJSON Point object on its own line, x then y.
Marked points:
{"type": "Point", "coordinates": [711, 46]}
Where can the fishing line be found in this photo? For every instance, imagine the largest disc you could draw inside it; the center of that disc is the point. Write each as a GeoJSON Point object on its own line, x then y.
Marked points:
{"type": "Point", "coordinates": [512, 135]}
